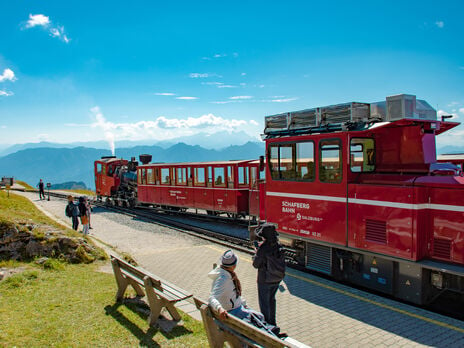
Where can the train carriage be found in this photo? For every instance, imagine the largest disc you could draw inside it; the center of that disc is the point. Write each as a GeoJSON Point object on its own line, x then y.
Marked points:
{"type": "Point", "coordinates": [360, 200]}
{"type": "Point", "coordinates": [217, 187]}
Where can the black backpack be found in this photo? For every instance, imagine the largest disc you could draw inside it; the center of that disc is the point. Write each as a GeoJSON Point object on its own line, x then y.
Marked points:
{"type": "Point", "coordinates": [275, 268]}
{"type": "Point", "coordinates": [68, 211]}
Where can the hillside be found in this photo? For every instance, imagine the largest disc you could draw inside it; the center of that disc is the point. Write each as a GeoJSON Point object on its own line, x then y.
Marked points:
{"type": "Point", "coordinates": [59, 165]}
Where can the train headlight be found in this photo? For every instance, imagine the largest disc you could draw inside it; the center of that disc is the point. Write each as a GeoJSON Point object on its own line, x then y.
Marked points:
{"type": "Point", "coordinates": [437, 280]}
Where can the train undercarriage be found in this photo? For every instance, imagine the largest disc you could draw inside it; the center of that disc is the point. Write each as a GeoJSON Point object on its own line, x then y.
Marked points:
{"type": "Point", "coordinates": [421, 283]}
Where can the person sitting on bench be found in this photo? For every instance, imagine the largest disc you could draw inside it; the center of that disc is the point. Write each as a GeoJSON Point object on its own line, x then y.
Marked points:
{"type": "Point", "coordinates": [226, 295]}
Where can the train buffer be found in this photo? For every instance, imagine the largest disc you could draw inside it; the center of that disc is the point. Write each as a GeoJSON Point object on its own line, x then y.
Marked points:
{"type": "Point", "coordinates": [160, 294]}
{"type": "Point", "coordinates": [237, 332]}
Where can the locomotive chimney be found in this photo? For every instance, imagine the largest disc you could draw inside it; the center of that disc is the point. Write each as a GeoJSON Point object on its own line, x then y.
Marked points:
{"type": "Point", "coordinates": [145, 159]}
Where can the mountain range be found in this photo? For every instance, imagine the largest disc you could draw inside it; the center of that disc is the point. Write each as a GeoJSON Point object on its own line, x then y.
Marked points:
{"type": "Point", "coordinates": [59, 165]}
{"type": "Point", "coordinates": [218, 140]}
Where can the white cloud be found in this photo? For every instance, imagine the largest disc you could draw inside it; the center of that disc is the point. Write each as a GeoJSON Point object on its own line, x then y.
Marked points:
{"type": "Point", "coordinates": [212, 83]}
{"type": "Point", "coordinates": [8, 74]}
{"type": "Point", "coordinates": [220, 55]}
{"type": "Point", "coordinates": [164, 94]}
{"type": "Point", "coordinates": [222, 102]}
{"type": "Point", "coordinates": [187, 98]}
{"type": "Point", "coordinates": [226, 86]}
{"type": "Point", "coordinates": [243, 74]}
{"type": "Point", "coordinates": [286, 100]}
{"type": "Point", "coordinates": [35, 20]}
{"type": "Point", "coordinates": [5, 93]}
{"type": "Point", "coordinates": [254, 123]}
{"type": "Point", "coordinates": [461, 110]}
{"type": "Point", "coordinates": [44, 22]}
{"type": "Point", "coordinates": [3, 127]}
{"type": "Point", "coordinates": [241, 97]}
{"type": "Point", "coordinates": [440, 24]}
{"type": "Point", "coordinates": [198, 75]}
{"type": "Point", "coordinates": [162, 127]}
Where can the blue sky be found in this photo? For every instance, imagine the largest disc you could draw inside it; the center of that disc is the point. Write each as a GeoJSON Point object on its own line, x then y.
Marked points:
{"type": "Point", "coordinates": [91, 70]}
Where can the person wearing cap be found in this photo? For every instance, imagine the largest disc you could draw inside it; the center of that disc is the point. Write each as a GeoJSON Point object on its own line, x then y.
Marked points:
{"type": "Point", "coordinates": [270, 262]}
{"type": "Point", "coordinates": [226, 290]}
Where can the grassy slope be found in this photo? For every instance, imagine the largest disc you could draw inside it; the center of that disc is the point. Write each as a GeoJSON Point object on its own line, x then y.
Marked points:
{"type": "Point", "coordinates": [76, 307]}
{"type": "Point", "coordinates": [73, 306]}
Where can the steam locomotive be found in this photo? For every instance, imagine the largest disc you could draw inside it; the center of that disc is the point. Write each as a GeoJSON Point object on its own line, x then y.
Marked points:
{"type": "Point", "coordinates": [354, 189]}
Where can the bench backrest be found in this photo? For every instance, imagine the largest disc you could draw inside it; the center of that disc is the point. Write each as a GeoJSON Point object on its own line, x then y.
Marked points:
{"type": "Point", "coordinates": [169, 291]}
{"type": "Point", "coordinates": [137, 273]}
{"type": "Point", "coordinates": [237, 326]}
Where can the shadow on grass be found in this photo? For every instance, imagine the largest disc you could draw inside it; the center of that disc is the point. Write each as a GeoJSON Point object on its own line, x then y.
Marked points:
{"type": "Point", "coordinates": [145, 338]}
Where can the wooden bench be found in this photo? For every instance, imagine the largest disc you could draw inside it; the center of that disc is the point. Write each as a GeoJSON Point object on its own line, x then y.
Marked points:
{"type": "Point", "coordinates": [238, 332]}
{"type": "Point", "coordinates": [160, 294]}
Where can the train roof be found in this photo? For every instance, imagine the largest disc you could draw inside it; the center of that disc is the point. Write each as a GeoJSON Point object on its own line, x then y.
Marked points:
{"type": "Point", "coordinates": [110, 159]}
{"type": "Point", "coordinates": [212, 163]}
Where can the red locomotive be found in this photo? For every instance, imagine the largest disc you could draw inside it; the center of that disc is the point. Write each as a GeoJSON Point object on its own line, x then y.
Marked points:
{"type": "Point", "coordinates": [354, 190]}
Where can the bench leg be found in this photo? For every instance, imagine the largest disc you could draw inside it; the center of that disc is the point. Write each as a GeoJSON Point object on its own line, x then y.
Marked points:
{"type": "Point", "coordinates": [137, 288]}
{"type": "Point", "coordinates": [153, 301]}
{"type": "Point", "coordinates": [121, 281]}
{"type": "Point", "coordinates": [172, 310]}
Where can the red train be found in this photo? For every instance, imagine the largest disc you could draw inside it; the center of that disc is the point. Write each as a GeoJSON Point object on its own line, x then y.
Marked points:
{"type": "Point", "coordinates": [354, 189]}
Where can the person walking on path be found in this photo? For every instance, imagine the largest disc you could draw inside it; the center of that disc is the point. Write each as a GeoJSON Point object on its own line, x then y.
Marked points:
{"type": "Point", "coordinates": [41, 187]}
{"type": "Point", "coordinates": [270, 262]}
{"type": "Point", "coordinates": [72, 211]}
{"type": "Point", "coordinates": [84, 215]}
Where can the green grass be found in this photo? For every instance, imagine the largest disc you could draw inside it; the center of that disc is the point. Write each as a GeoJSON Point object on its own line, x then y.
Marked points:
{"type": "Point", "coordinates": [24, 184]}
{"type": "Point", "coordinates": [75, 307]}
{"type": "Point", "coordinates": [20, 210]}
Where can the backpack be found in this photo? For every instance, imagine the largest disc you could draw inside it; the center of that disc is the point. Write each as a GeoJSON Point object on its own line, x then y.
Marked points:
{"type": "Point", "coordinates": [68, 211]}
{"type": "Point", "coordinates": [275, 268]}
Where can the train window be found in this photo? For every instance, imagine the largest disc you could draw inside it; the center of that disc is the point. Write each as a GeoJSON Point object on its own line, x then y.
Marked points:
{"type": "Point", "coordinates": [230, 176]}
{"type": "Point", "coordinates": [210, 176]}
{"type": "Point", "coordinates": [330, 160]}
{"type": "Point", "coordinates": [292, 161]}
{"type": "Point", "coordinates": [305, 161]}
{"type": "Point", "coordinates": [99, 168]}
{"type": "Point", "coordinates": [189, 175]}
{"type": "Point", "coordinates": [274, 161]}
{"type": "Point", "coordinates": [165, 177]}
{"type": "Point", "coordinates": [181, 176]}
{"type": "Point", "coordinates": [219, 177]}
{"type": "Point", "coordinates": [199, 176]}
{"type": "Point", "coordinates": [362, 155]}
{"type": "Point", "coordinates": [150, 176]}
{"type": "Point", "coordinates": [139, 176]}
{"type": "Point", "coordinates": [110, 170]}
{"type": "Point", "coordinates": [243, 176]}
{"type": "Point", "coordinates": [254, 176]}
{"type": "Point", "coordinates": [143, 176]}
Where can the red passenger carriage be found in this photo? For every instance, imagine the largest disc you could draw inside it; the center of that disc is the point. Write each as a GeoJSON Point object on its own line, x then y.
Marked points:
{"type": "Point", "coordinates": [217, 187]}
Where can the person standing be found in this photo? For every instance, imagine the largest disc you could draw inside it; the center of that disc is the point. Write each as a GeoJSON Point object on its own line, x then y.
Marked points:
{"type": "Point", "coordinates": [84, 216]}
{"type": "Point", "coordinates": [41, 187]}
{"type": "Point", "coordinates": [270, 262]}
{"type": "Point", "coordinates": [89, 210]}
{"type": "Point", "coordinates": [72, 211]}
